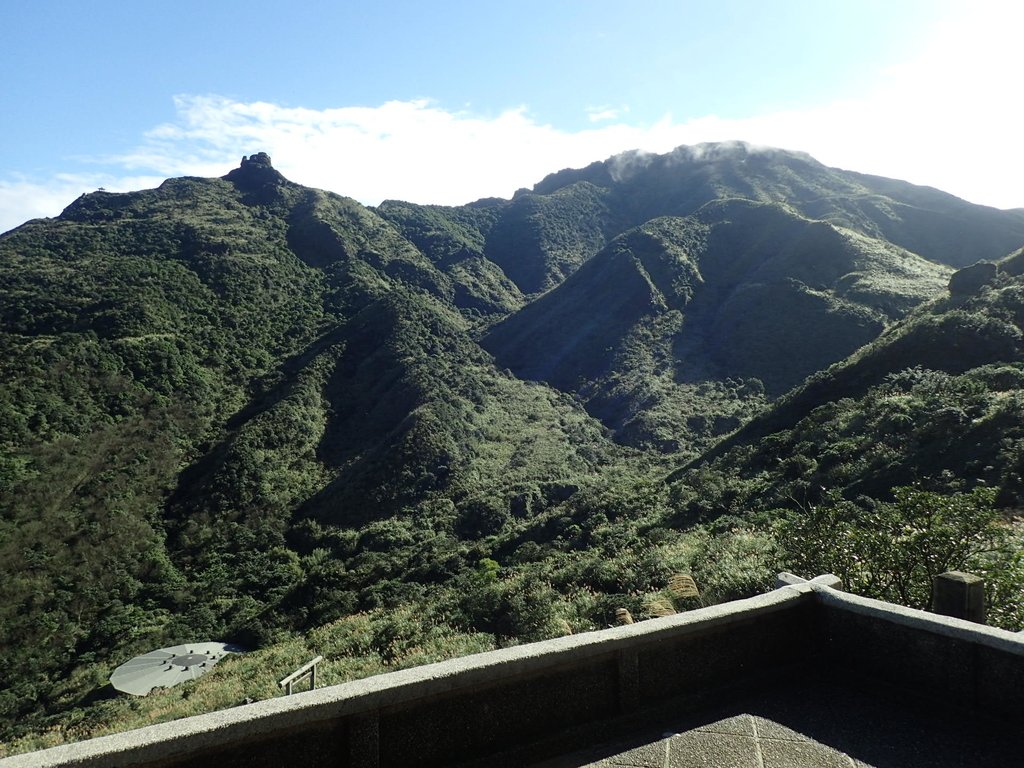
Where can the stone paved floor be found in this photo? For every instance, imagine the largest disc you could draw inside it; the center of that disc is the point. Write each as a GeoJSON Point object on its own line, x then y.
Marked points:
{"type": "Point", "coordinates": [818, 725]}
{"type": "Point", "coordinates": [741, 741]}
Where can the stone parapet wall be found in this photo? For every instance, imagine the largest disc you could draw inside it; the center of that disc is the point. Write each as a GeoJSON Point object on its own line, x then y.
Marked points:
{"type": "Point", "coordinates": [472, 707]}
{"type": "Point", "coordinates": [966, 664]}
{"type": "Point", "coordinates": [518, 704]}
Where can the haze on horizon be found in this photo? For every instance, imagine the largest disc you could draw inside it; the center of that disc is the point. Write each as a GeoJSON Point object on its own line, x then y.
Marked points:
{"type": "Point", "coordinates": [452, 102]}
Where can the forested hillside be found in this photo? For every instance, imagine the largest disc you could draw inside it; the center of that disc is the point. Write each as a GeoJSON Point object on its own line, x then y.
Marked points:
{"type": "Point", "coordinates": [239, 409]}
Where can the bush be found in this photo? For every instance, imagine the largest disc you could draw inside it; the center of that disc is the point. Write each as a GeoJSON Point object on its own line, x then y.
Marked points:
{"type": "Point", "coordinates": [892, 550]}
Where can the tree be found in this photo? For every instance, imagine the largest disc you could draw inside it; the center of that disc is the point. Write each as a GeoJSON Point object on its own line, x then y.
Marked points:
{"type": "Point", "coordinates": [891, 550]}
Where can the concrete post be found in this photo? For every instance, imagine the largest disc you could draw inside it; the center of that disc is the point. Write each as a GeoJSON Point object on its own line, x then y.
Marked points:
{"type": "Point", "coordinates": [958, 594]}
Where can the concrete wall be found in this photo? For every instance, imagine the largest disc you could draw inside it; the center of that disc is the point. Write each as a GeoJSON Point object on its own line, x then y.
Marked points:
{"type": "Point", "coordinates": [519, 704]}
{"type": "Point", "coordinates": [556, 694]}
{"type": "Point", "coordinates": [964, 663]}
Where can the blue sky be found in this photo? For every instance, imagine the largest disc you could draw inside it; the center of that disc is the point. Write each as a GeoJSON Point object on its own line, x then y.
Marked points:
{"type": "Point", "coordinates": [451, 101]}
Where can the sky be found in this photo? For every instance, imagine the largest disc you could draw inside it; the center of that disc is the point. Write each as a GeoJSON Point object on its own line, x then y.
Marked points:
{"type": "Point", "coordinates": [449, 101]}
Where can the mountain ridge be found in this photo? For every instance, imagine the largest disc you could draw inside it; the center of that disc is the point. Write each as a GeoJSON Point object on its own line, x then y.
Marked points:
{"type": "Point", "coordinates": [453, 427]}
{"type": "Point", "coordinates": [710, 171]}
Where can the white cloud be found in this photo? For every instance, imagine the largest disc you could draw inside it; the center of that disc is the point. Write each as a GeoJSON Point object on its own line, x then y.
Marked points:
{"type": "Point", "coordinates": [412, 150]}
{"type": "Point", "coordinates": [603, 113]}
{"type": "Point", "coordinates": [949, 118]}
{"type": "Point", "coordinates": [957, 132]}
{"type": "Point", "coordinates": [22, 198]}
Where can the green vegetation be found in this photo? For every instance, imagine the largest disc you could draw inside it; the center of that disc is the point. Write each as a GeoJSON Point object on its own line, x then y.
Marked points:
{"type": "Point", "coordinates": [925, 221]}
{"type": "Point", "coordinates": [238, 409]}
{"type": "Point", "coordinates": [892, 550]}
{"type": "Point", "coordinates": [689, 337]}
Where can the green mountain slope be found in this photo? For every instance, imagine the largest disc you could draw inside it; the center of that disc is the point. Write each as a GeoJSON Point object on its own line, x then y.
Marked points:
{"type": "Point", "coordinates": [208, 382]}
{"type": "Point", "coordinates": [926, 221]}
{"type": "Point", "coordinates": [675, 331]}
{"type": "Point", "coordinates": [936, 399]}
{"type": "Point", "coordinates": [455, 240]}
{"type": "Point", "coordinates": [536, 241]}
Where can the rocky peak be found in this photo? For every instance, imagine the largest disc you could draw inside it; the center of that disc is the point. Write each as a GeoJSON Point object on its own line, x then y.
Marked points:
{"type": "Point", "coordinates": [259, 160]}
{"type": "Point", "coordinates": [257, 177]}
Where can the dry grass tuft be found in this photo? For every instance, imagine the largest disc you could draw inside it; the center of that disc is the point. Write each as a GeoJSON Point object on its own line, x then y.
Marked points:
{"type": "Point", "coordinates": [682, 585]}
{"type": "Point", "coordinates": [657, 606]}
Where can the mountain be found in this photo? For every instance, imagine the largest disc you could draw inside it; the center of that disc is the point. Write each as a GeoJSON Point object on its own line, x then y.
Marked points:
{"type": "Point", "coordinates": [689, 255]}
{"type": "Point", "coordinates": [207, 381]}
{"type": "Point", "coordinates": [688, 335]}
{"type": "Point", "coordinates": [896, 464]}
{"type": "Point", "coordinates": [242, 409]}
{"type": "Point", "coordinates": [937, 395]}
{"type": "Point", "coordinates": [926, 221]}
